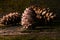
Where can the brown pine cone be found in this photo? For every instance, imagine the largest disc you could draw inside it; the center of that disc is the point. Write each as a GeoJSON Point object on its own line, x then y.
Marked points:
{"type": "Point", "coordinates": [10, 19]}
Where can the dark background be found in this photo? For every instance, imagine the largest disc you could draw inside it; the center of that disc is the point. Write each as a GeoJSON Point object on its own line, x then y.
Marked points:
{"type": "Point", "coordinates": [7, 6]}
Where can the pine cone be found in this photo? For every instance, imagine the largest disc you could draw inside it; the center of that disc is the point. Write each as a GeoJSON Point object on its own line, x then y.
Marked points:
{"type": "Point", "coordinates": [28, 17]}
{"type": "Point", "coordinates": [10, 19]}
{"type": "Point", "coordinates": [44, 15]}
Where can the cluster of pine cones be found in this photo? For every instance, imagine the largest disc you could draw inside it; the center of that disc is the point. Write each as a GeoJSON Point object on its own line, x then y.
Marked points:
{"type": "Point", "coordinates": [10, 19]}
{"type": "Point", "coordinates": [36, 15]}
{"type": "Point", "coordinates": [30, 16]}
